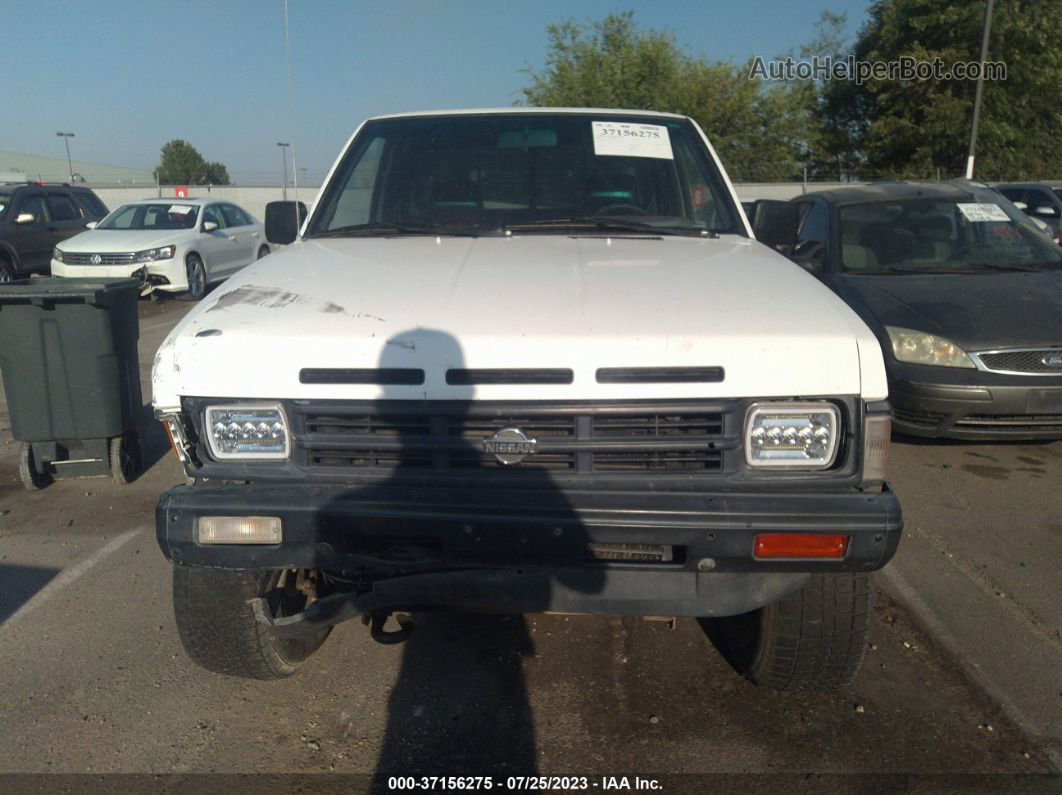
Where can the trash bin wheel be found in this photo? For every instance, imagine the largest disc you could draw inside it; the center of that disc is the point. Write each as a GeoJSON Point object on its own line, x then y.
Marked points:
{"type": "Point", "coordinates": [27, 469]}
{"type": "Point", "coordinates": [125, 458]}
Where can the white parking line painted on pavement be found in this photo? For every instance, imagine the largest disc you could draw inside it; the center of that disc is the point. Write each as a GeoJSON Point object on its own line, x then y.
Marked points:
{"type": "Point", "coordinates": [69, 575]}
{"type": "Point", "coordinates": [162, 325]}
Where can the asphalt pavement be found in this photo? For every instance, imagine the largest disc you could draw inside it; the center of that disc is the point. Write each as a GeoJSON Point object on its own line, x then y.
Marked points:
{"type": "Point", "coordinates": [961, 676]}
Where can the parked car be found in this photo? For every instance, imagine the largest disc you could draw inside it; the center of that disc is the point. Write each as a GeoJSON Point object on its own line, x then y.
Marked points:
{"type": "Point", "coordinates": [992, 194]}
{"type": "Point", "coordinates": [177, 246]}
{"type": "Point", "coordinates": [1040, 200]}
{"type": "Point", "coordinates": [520, 361]}
{"type": "Point", "coordinates": [963, 292]}
{"type": "Point", "coordinates": [34, 218]}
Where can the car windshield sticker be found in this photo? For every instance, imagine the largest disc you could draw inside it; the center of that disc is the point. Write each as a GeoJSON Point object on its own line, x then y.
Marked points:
{"type": "Point", "coordinates": [983, 212]}
{"type": "Point", "coordinates": [180, 209]}
{"type": "Point", "coordinates": [631, 140]}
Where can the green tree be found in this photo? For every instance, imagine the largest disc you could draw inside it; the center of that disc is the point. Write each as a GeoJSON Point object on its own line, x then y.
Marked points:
{"type": "Point", "coordinates": [181, 164]}
{"type": "Point", "coordinates": [757, 129]}
{"type": "Point", "coordinates": [915, 128]}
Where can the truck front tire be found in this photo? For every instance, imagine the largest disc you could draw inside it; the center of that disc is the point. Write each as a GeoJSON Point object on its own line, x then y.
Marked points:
{"type": "Point", "coordinates": [811, 639]}
{"type": "Point", "coordinates": [219, 630]}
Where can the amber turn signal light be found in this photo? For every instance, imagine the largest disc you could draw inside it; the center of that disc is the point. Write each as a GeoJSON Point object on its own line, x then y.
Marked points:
{"type": "Point", "coordinates": [800, 545]}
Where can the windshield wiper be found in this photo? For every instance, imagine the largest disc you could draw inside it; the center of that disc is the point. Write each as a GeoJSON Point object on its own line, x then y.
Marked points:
{"type": "Point", "coordinates": [991, 266]}
{"type": "Point", "coordinates": [611, 224]}
{"type": "Point", "coordinates": [386, 228]}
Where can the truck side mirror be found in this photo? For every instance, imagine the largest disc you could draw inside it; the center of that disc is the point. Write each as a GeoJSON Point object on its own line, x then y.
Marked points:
{"type": "Point", "coordinates": [774, 223]}
{"type": "Point", "coordinates": [282, 221]}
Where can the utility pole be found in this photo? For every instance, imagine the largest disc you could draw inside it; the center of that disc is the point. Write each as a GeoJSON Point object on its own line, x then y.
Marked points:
{"type": "Point", "coordinates": [284, 158]}
{"type": "Point", "coordinates": [980, 89]}
{"type": "Point", "coordinates": [66, 136]}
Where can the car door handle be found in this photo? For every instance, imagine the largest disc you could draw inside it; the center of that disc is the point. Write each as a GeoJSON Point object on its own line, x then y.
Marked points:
{"type": "Point", "coordinates": [231, 237]}
{"type": "Point", "coordinates": [254, 234]}
{"type": "Point", "coordinates": [53, 229]}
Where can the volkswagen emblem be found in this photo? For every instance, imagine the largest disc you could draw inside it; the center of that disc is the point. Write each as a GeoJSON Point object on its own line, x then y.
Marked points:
{"type": "Point", "coordinates": [1053, 359]}
{"type": "Point", "coordinates": [95, 259]}
{"type": "Point", "coordinates": [509, 446]}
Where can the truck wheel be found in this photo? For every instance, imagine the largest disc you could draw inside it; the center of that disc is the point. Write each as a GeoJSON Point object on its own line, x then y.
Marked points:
{"type": "Point", "coordinates": [220, 632]}
{"type": "Point", "coordinates": [811, 639]}
{"type": "Point", "coordinates": [27, 469]}
{"type": "Point", "coordinates": [125, 458]}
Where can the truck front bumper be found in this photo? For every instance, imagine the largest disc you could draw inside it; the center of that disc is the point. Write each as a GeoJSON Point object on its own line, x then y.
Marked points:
{"type": "Point", "coordinates": [529, 551]}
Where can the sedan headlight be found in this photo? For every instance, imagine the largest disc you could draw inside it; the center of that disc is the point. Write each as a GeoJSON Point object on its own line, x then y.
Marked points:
{"type": "Point", "coordinates": [918, 347]}
{"type": "Point", "coordinates": [57, 255]}
{"type": "Point", "coordinates": [248, 431]}
{"type": "Point", "coordinates": [798, 435]}
{"type": "Point", "coordinates": [152, 254]}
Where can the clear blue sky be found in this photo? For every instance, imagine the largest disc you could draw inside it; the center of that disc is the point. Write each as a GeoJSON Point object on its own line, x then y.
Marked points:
{"type": "Point", "coordinates": [127, 76]}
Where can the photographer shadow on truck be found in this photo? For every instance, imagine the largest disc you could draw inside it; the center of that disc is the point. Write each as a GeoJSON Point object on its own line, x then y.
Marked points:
{"type": "Point", "coordinates": [491, 538]}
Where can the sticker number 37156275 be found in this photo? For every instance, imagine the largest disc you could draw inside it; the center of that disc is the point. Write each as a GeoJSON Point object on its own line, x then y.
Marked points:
{"type": "Point", "coordinates": [631, 140]}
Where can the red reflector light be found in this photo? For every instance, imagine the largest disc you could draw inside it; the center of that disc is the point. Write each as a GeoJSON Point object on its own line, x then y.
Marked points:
{"type": "Point", "coordinates": [801, 545]}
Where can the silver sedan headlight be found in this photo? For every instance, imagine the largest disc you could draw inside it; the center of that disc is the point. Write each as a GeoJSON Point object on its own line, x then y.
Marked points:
{"type": "Point", "coordinates": [250, 431]}
{"type": "Point", "coordinates": [919, 347]}
{"type": "Point", "coordinates": [790, 434]}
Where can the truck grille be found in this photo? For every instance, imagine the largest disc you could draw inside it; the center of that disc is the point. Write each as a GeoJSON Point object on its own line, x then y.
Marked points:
{"type": "Point", "coordinates": [1033, 362]}
{"type": "Point", "coordinates": [615, 438]}
{"type": "Point", "coordinates": [105, 259]}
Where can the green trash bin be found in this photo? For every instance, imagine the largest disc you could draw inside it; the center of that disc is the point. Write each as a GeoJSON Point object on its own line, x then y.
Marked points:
{"type": "Point", "coordinates": [68, 354]}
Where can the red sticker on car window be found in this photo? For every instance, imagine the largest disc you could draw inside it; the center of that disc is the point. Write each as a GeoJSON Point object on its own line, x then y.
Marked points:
{"type": "Point", "coordinates": [698, 195]}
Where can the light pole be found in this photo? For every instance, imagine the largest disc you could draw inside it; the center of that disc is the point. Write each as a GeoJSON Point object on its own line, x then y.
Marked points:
{"type": "Point", "coordinates": [977, 93]}
{"type": "Point", "coordinates": [284, 158]}
{"type": "Point", "coordinates": [66, 136]}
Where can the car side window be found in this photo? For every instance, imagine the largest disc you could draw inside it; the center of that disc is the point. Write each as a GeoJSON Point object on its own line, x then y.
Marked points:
{"type": "Point", "coordinates": [1014, 194]}
{"type": "Point", "coordinates": [1039, 198]}
{"type": "Point", "coordinates": [91, 206]}
{"type": "Point", "coordinates": [62, 207]}
{"type": "Point", "coordinates": [813, 234]}
{"type": "Point", "coordinates": [211, 214]}
{"type": "Point", "coordinates": [233, 217]}
{"type": "Point", "coordinates": [33, 204]}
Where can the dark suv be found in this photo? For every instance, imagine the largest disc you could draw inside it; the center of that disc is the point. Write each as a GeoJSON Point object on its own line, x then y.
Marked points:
{"type": "Point", "coordinates": [34, 217]}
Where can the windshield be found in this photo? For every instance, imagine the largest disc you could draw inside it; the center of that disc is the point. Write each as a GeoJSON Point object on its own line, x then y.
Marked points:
{"type": "Point", "coordinates": [933, 235]}
{"type": "Point", "coordinates": [470, 174]}
{"type": "Point", "coordinates": [164, 215]}
{"type": "Point", "coordinates": [5, 202]}
{"type": "Point", "coordinates": [1058, 192]}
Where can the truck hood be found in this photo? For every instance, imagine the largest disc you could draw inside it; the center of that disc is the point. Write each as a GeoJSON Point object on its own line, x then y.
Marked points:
{"type": "Point", "coordinates": [532, 301]}
{"type": "Point", "coordinates": [122, 240]}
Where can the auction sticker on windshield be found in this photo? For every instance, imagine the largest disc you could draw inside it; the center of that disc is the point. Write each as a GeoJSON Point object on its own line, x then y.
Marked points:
{"type": "Point", "coordinates": [631, 140]}
{"type": "Point", "coordinates": [180, 209]}
{"type": "Point", "coordinates": [983, 212]}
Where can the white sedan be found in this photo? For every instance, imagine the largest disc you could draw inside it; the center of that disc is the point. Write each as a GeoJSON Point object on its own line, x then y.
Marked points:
{"type": "Point", "coordinates": [178, 246]}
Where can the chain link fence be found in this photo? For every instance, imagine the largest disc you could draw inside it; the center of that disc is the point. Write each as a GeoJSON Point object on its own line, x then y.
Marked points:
{"type": "Point", "coordinates": [254, 199]}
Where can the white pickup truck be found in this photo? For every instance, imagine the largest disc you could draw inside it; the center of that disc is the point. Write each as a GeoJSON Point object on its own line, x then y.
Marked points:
{"type": "Point", "coordinates": [520, 361]}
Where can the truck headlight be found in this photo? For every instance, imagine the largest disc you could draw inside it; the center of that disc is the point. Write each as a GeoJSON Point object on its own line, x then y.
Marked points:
{"type": "Point", "coordinates": [152, 254]}
{"type": "Point", "coordinates": [798, 435]}
{"type": "Point", "coordinates": [252, 431]}
{"type": "Point", "coordinates": [57, 254]}
{"type": "Point", "coordinates": [918, 347]}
